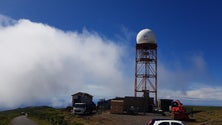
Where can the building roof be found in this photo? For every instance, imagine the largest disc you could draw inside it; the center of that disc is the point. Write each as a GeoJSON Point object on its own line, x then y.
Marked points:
{"type": "Point", "coordinates": [82, 93]}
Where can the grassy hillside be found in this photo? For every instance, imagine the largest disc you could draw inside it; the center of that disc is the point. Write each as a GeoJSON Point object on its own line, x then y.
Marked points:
{"type": "Point", "coordinates": [43, 115]}
{"type": "Point", "coordinates": [206, 115]}
{"type": "Point", "coordinates": [7, 116]}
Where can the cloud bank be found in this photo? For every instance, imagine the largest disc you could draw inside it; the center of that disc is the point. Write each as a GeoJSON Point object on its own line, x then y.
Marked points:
{"type": "Point", "coordinates": [44, 65]}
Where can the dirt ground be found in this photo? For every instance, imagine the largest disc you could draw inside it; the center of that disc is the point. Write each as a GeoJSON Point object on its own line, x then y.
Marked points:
{"type": "Point", "coordinates": [201, 116]}
{"type": "Point", "coordinates": [121, 119]}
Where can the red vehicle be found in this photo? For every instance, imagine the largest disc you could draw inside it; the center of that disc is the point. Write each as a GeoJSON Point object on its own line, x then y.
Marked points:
{"type": "Point", "coordinates": [178, 111]}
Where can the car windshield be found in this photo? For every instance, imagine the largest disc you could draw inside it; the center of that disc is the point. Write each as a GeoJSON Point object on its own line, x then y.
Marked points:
{"type": "Point", "coordinates": [79, 105]}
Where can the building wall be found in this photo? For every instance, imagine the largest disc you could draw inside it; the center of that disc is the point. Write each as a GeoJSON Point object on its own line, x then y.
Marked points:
{"type": "Point", "coordinates": [140, 103]}
{"type": "Point", "coordinates": [117, 106]}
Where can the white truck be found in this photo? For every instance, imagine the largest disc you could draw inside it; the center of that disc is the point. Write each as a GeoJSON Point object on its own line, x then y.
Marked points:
{"type": "Point", "coordinates": [82, 108]}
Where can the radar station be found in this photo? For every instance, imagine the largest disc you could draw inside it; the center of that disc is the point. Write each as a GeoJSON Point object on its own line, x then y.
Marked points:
{"type": "Point", "coordinates": [146, 64]}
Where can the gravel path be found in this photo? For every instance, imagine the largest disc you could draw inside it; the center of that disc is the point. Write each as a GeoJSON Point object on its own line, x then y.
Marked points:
{"type": "Point", "coordinates": [22, 120]}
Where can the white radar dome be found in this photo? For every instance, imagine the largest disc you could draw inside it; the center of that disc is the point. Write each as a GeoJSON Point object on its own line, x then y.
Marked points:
{"type": "Point", "coordinates": [146, 36]}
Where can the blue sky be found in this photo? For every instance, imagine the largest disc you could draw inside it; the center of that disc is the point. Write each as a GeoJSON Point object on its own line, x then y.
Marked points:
{"type": "Point", "coordinates": [187, 31]}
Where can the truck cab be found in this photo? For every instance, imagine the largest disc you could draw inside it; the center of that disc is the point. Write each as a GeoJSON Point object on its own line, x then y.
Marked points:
{"type": "Point", "coordinates": [178, 111]}
{"type": "Point", "coordinates": [79, 108]}
{"type": "Point", "coordinates": [83, 108]}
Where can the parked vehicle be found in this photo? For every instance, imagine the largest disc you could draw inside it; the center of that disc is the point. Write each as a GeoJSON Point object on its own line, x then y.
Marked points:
{"type": "Point", "coordinates": [83, 108]}
{"type": "Point", "coordinates": [178, 111]}
{"type": "Point", "coordinates": [165, 122]}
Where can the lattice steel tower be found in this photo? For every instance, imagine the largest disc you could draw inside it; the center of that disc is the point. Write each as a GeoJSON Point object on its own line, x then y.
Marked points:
{"type": "Point", "coordinates": [146, 64]}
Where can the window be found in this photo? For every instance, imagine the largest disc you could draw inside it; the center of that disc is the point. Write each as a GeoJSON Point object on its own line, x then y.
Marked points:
{"type": "Point", "coordinates": [164, 123]}
{"type": "Point", "coordinates": [174, 104]}
{"type": "Point", "coordinates": [174, 123]}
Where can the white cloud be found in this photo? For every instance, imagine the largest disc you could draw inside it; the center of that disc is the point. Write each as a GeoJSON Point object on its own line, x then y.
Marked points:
{"type": "Point", "coordinates": [6, 21]}
{"type": "Point", "coordinates": [42, 64]}
{"type": "Point", "coordinates": [207, 93]}
{"type": "Point", "coordinates": [204, 95]}
{"type": "Point", "coordinates": [191, 83]}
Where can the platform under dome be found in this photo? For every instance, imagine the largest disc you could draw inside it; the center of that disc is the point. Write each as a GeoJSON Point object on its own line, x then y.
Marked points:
{"type": "Point", "coordinates": [146, 36]}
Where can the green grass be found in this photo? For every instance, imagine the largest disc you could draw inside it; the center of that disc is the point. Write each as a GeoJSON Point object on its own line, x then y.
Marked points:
{"type": "Point", "coordinates": [206, 115]}
{"type": "Point", "coordinates": [46, 115]}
